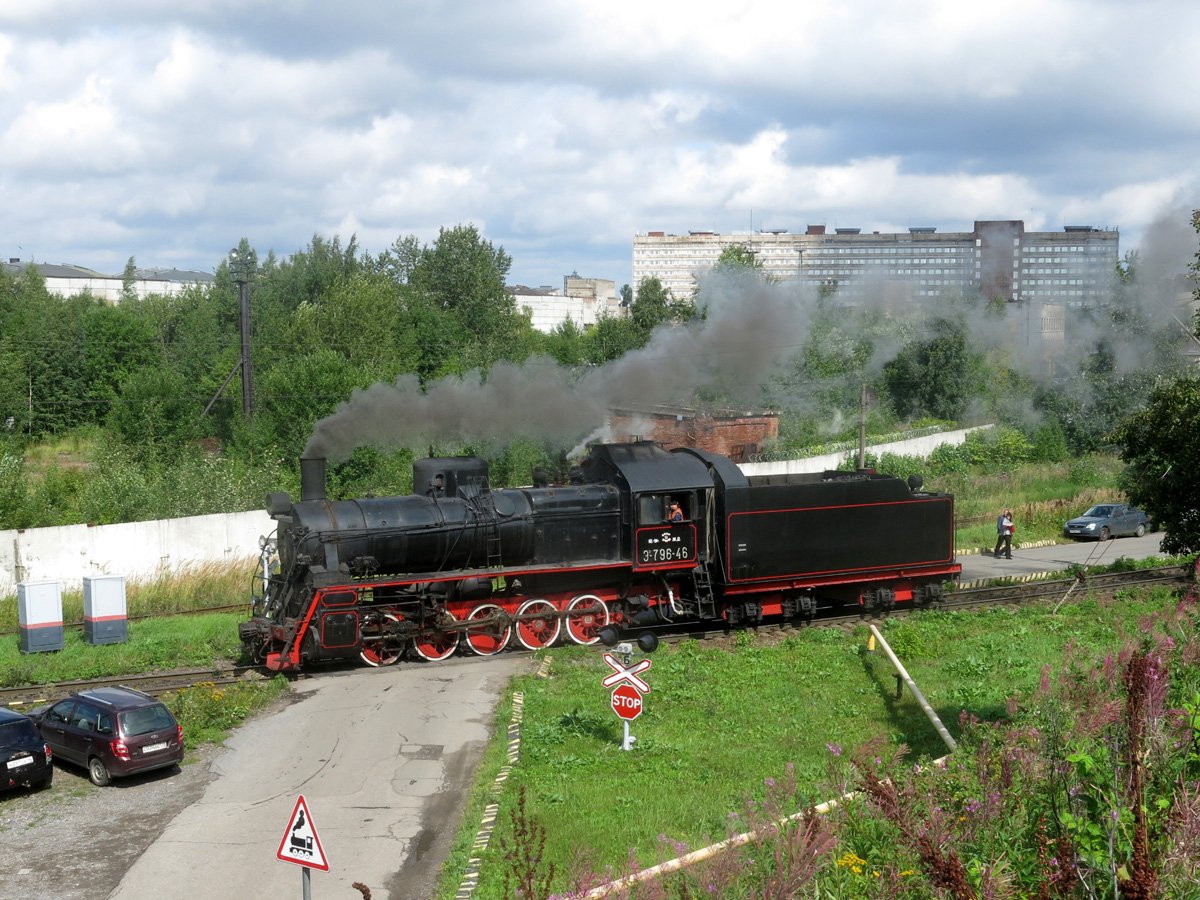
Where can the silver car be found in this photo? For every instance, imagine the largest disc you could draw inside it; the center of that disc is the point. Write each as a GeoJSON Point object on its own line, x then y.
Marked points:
{"type": "Point", "coordinates": [1108, 520]}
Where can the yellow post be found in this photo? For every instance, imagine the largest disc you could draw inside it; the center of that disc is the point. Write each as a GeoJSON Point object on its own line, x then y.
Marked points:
{"type": "Point", "coordinates": [871, 642]}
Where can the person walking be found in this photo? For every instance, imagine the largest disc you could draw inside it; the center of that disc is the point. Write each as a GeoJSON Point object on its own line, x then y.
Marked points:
{"type": "Point", "coordinates": [1004, 533]}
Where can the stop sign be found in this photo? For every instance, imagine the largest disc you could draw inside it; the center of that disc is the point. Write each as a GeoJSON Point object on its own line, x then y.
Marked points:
{"type": "Point", "coordinates": [626, 701]}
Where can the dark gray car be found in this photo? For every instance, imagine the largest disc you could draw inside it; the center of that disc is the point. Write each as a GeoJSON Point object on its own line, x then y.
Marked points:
{"type": "Point", "coordinates": [111, 732]}
{"type": "Point", "coordinates": [1108, 520]}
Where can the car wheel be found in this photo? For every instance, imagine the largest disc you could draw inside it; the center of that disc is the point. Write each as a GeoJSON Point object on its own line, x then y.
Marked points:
{"type": "Point", "coordinates": [98, 772]}
{"type": "Point", "coordinates": [1141, 529]}
{"type": "Point", "coordinates": [45, 782]}
{"type": "Point", "coordinates": [1105, 534]}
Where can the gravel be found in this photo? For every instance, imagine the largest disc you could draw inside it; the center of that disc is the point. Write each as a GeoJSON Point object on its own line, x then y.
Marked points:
{"type": "Point", "coordinates": [74, 841]}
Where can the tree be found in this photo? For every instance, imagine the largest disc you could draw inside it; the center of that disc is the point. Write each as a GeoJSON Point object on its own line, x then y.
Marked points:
{"type": "Point", "coordinates": [611, 338]}
{"type": "Point", "coordinates": [739, 258]}
{"type": "Point", "coordinates": [1163, 478]}
{"type": "Point", "coordinates": [156, 406]}
{"type": "Point", "coordinates": [937, 376]}
{"type": "Point", "coordinates": [359, 318]}
{"type": "Point", "coordinates": [129, 281]}
{"type": "Point", "coordinates": [464, 275]}
{"type": "Point", "coordinates": [656, 304]}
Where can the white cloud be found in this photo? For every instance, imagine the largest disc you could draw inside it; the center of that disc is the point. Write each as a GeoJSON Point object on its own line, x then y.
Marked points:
{"type": "Point", "coordinates": [160, 130]}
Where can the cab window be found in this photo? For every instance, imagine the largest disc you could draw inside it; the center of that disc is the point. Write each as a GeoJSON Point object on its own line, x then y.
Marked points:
{"type": "Point", "coordinates": [654, 509]}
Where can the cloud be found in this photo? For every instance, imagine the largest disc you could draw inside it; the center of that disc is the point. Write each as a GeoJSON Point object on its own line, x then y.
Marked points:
{"type": "Point", "coordinates": [567, 127]}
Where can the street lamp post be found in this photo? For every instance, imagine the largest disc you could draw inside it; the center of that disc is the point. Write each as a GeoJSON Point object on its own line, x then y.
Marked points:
{"type": "Point", "coordinates": [241, 267]}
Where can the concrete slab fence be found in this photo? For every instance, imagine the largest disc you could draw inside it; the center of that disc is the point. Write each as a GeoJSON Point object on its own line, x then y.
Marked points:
{"type": "Point", "coordinates": [143, 550]}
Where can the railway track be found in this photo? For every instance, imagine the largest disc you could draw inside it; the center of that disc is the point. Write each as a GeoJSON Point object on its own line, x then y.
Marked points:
{"type": "Point", "coordinates": [152, 683]}
{"type": "Point", "coordinates": [1052, 589]}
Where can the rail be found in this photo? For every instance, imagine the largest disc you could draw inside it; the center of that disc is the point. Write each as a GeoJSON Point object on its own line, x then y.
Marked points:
{"type": "Point", "coordinates": [1056, 589]}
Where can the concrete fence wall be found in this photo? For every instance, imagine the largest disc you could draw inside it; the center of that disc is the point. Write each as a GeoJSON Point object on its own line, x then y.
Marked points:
{"type": "Point", "coordinates": [142, 550]}
{"type": "Point", "coordinates": [921, 447]}
{"type": "Point", "coordinates": [137, 550]}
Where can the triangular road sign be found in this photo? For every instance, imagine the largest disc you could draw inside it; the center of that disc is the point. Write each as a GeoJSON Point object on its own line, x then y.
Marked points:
{"type": "Point", "coordinates": [300, 843]}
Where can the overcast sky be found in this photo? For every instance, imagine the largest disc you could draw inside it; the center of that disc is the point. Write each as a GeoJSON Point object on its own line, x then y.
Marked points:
{"type": "Point", "coordinates": [167, 131]}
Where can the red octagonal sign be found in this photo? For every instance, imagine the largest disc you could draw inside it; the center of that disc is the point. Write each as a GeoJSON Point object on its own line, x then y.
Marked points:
{"type": "Point", "coordinates": [626, 701]}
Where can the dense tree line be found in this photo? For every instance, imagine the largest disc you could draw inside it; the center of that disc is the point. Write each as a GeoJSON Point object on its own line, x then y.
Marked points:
{"type": "Point", "coordinates": [146, 383]}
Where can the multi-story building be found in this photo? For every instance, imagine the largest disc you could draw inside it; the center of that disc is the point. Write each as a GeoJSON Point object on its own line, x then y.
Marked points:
{"type": "Point", "coordinates": [999, 259]}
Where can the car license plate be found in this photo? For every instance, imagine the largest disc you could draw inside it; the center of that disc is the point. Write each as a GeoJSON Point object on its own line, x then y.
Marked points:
{"type": "Point", "coordinates": [151, 748]}
{"type": "Point", "coordinates": [17, 763]}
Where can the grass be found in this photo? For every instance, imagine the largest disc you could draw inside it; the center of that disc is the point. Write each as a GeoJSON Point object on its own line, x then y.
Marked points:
{"type": "Point", "coordinates": [1042, 497]}
{"type": "Point", "coordinates": [721, 722]}
{"type": "Point", "coordinates": [191, 587]}
{"type": "Point", "coordinates": [170, 642]}
{"type": "Point", "coordinates": [72, 450]}
{"type": "Point", "coordinates": [207, 712]}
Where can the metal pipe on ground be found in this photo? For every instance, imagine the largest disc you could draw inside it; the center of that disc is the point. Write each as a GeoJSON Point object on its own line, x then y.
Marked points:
{"type": "Point", "coordinates": [916, 691]}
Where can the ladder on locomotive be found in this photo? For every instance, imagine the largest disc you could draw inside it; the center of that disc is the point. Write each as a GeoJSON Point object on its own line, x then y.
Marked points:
{"type": "Point", "coordinates": [485, 510]}
{"type": "Point", "coordinates": [494, 556]}
{"type": "Point", "coordinates": [702, 585]}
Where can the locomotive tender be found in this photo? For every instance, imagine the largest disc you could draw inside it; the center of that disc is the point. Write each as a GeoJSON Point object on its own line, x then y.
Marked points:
{"type": "Point", "coordinates": [465, 565]}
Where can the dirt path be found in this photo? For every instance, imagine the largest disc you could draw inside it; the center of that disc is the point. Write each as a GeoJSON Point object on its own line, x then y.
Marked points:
{"type": "Point", "coordinates": [75, 841]}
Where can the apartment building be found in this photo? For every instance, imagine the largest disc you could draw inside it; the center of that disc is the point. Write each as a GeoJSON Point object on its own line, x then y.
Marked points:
{"type": "Point", "coordinates": [1000, 259]}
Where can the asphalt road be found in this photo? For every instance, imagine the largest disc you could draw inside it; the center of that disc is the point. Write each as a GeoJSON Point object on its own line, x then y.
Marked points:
{"type": "Point", "coordinates": [383, 759]}
{"type": "Point", "coordinates": [1032, 560]}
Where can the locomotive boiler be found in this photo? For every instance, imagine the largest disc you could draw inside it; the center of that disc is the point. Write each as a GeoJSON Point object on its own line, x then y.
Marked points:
{"type": "Point", "coordinates": [460, 566]}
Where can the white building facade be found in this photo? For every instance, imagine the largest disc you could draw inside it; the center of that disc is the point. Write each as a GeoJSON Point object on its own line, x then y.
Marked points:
{"type": "Point", "coordinates": [581, 300]}
{"type": "Point", "coordinates": [1000, 259]}
{"type": "Point", "coordinates": [70, 281]}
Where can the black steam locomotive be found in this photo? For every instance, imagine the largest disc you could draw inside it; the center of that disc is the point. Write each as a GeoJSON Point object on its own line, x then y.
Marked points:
{"type": "Point", "coordinates": [601, 557]}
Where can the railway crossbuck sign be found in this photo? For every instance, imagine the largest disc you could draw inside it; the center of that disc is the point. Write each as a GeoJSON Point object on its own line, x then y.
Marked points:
{"type": "Point", "coordinates": [627, 673]}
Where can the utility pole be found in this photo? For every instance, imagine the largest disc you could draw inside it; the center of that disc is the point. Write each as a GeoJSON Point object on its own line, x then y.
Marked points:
{"type": "Point", "coordinates": [862, 428]}
{"type": "Point", "coordinates": [241, 267]}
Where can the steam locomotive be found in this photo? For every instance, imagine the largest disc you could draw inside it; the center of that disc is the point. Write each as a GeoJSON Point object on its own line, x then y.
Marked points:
{"type": "Point", "coordinates": [599, 558]}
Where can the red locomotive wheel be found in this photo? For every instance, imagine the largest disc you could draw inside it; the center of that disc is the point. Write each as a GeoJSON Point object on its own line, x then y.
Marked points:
{"type": "Point", "coordinates": [441, 644]}
{"type": "Point", "coordinates": [378, 647]}
{"type": "Point", "coordinates": [586, 615]}
{"type": "Point", "coordinates": [493, 632]}
{"type": "Point", "coordinates": [541, 630]}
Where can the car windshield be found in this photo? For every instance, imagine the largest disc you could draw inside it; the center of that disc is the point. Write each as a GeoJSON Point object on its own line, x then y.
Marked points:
{"type": "Point", "coordinates": [145, 720]}
{"type": "Point", "coordinates": [1098, 512]}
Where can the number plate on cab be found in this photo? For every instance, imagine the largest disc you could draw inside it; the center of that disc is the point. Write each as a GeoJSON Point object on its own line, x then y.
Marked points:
{"type": "Point", "coordinates": [153, 748]}
{"type": "Point", "coordinates": [17, 763]}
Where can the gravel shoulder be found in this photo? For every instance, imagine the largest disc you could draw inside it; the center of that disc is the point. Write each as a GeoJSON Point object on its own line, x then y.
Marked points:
{"type": "Point", "coordinates": [74, 841]}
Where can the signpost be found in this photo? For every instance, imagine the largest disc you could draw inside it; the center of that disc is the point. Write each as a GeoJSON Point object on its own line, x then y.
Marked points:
{"type": "Point", "coordinates": [626, 699]}
{"type": "Point", "coordinates": [300, 845]}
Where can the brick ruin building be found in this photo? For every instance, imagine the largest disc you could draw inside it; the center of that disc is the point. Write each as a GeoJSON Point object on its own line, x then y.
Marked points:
{"type": "Point", "coordinates": [738, 435]}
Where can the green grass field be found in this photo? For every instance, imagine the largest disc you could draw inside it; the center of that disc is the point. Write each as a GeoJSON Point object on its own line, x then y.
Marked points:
{"type": "Point", "coordinates": [170, 642]}
{"type": "Point", "coordinates": [721, 721]}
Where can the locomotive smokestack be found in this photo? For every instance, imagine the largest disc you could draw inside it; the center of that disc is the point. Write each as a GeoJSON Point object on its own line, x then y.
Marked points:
{"type": "Point", "coordinates": [312, 478]}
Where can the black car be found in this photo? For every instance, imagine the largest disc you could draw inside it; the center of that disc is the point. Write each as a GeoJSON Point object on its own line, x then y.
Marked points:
{"type": "Point", "coordinates": [112, 731]}
{"type": "Point", "coordinates": [25, 759]}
